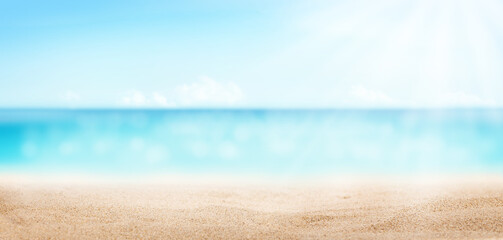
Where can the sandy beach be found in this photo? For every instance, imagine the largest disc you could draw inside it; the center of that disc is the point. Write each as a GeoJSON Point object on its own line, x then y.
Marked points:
{"type": "Point", "coordinates": [371, 208]}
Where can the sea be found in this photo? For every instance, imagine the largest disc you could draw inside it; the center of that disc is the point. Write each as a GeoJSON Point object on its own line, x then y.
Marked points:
{"type": "Point", "coordinates": [251, 141]}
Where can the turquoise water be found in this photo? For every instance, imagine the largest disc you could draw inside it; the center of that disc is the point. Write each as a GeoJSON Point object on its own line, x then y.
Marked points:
{"type": "Point", "coordinates": [252, 141]}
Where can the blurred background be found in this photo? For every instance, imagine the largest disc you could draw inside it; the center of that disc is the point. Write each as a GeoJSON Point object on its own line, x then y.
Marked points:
{"type": "Point", "coordinates": [254, 142]}
{"type": "Point", "coordinates": [260, 87]}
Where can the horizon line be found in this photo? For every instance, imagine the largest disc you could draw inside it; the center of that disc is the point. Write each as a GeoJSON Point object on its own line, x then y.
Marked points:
{"type": "Point", "coordinates": [249, 108]}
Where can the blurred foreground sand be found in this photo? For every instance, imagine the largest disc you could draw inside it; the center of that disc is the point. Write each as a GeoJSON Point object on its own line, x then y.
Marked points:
{"type": "Point", "coordinates": [176, 209]}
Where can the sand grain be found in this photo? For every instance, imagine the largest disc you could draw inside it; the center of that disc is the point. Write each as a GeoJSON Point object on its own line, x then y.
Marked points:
{"type": "Point", "coordinates": [472, 209]}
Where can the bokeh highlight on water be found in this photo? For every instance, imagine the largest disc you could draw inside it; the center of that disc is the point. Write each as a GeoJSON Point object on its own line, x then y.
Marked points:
{"type": "Point", "coordinates": [251, 141]}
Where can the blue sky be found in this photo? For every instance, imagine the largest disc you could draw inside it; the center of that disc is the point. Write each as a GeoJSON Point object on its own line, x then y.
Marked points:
{"type": "Point", "coordinates": [291, 54]}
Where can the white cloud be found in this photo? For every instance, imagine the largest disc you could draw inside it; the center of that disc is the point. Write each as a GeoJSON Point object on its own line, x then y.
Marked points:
{"type": "Point", "coordinates": [369, 96]}
{"type": "Point", "coordinates": [462, 99]}
{"type": "Point", "coordinates": [414, 51]}
{"type": "Point", "coordinates": [207, 91]}
{"type": "Point", "coordinates": [160, 99]}
{"type": "Point", "coordinates": [139, 99]}
{"type": "Point", "coordinates": [204, 92]}
{"type": "Point", "coordinates": [135, 98]}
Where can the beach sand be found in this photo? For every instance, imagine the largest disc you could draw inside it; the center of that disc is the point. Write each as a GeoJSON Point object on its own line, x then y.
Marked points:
{"type": "Point", "coordinates": [370, 208]}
